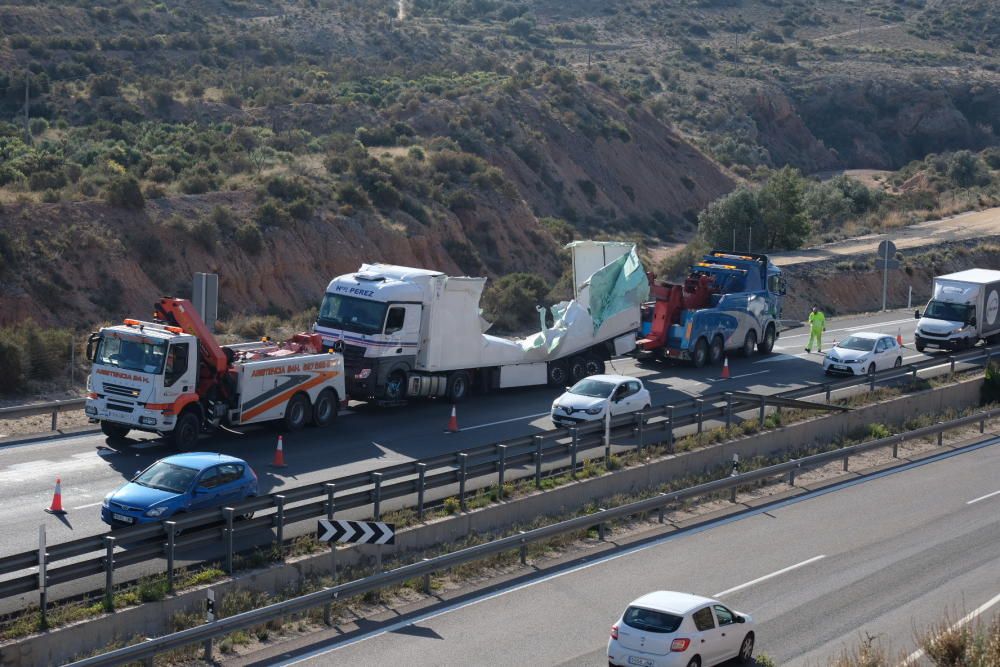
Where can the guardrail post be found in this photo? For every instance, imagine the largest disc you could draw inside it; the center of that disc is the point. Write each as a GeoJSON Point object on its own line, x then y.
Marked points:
{"type": "Point", "coordinates": [377, 496]}
{"type": "Point", "coordinates": [600, 527]}
{"type": "Point", "coordinates": [42, 578]}
{"type": "Point", "coordinates": [331, 508]}
{"type": "Point", "coordinates": [209, 618]}
{"type": "Point", "coordinates": [55, 419]}
{"type": "Point", "coordinates": [670, 429]}
{"type": "Point", "coordinates": [640, 427]}
{"type": "Point", "coordinates": [228, 513]}
{"type": "Point", "coordinates": [279, 500]}
{"type": "Point", "coordinates": [940, 435]}
{"type": "Point", "coordinates": [538, 461]}
{"type": "Point", "coordinates": [421, 489]}
{"type": "Point", "coordinates": [982, 425]}
{"type": "Point", "coordinates": [427, 580]}
{"type": "Point", "coordinates": [871, 382]}
{"type": "Point", "coordinates": [828, 391]}
{"type": "Point", "coordinates": [502, 470]}
{"type": "Point", "coordinates": [700, 403]}
{"type": "Point", "coordinates": [660, 510]}
{"type": "Point", "coordinates": [762, 411]}
{"type": "Point", "coordinates": [463, 462]}
{"type": "Point", "coordinates": [791, 477]}
{"type": "Point", "coordinates": [171, 546]}
{"type": "Point", "coordinates": [523, 549]}
{"type": "Point", "coordinates": [951, 362]}
{"type": "Point", "coordinates": [895, 447]}
{"type": "Point", "coordinates": [109, 573]}
{"type": "Point", "coordinates": [572, 452]}
{"type": "Point", "coordinates": [914, 379]}
{"type": "Point", "coordinates": [729, 411]}
{"type": "Point", "coordinates": [846, 458]}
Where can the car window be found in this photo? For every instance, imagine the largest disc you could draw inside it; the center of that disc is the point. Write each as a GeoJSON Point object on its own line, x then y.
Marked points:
{"type": "Point", "coordinates": [394, 320]}
{"type": "Point", "coordinates": [230, 472]}
{"type": "Point", "coordinates": [633, 387]}
{"type": "Point", "coordinates": [725, 616]}
{"type": "Point", "coordinates": [703, 619]}
{"type": "Point", "coordinates": [883, 345]}
{"type": "Point", "coordinates": [210, 478]}
{"type": "Point", "coordinates": [651, 620]}
{"type": "Point", "coordinates": [167, 476]}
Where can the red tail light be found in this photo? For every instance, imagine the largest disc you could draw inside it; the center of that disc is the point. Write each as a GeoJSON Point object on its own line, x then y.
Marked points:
{"type": "Point", "coordinates": [614, 631]}
{"type": "Point", "coordinates": [680, 645]}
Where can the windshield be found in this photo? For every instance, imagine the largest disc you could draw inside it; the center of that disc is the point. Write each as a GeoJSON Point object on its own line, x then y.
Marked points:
{"type": "Point", "coordinates": [351, 314]}
{"type": "Point", "coordinates": [167, 477]}
{"type": "Point", "coordinates": [132, 354]}
{"type": "Point", "coordinates": [955, 312]}
{"type": "Point", "coordinates": [856, 343]}
{"type": "Point", "coordinates": [651, 621]}
{"type": "Point", "coordinates": [592, 388]}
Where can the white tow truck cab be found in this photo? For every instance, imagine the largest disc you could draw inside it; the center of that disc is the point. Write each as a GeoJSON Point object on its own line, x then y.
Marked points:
{"type": "Point", "coordinates": [409, 332]}
{"type": "Point", "coordinates": [963, 310]}
{"type": "Point", "coordinates": [176, 380]}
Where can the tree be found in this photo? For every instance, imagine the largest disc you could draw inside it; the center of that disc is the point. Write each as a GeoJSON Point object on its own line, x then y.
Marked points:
{"type": "Point", "coordinates": [785, 225]}
{"type": "Point", "coordinates": [966, 169]}
{"type": "Point", "coordinates": [737, 211]}
{"type": "Point", "coordinates": [124, 191]}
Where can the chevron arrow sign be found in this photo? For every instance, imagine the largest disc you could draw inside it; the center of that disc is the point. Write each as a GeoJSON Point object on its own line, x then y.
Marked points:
{"type": "Point", "coordinates": [356, 532]}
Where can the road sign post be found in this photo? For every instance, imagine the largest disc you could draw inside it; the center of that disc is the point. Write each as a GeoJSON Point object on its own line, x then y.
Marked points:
{"type": "Point", "coordinates": [886, 253]}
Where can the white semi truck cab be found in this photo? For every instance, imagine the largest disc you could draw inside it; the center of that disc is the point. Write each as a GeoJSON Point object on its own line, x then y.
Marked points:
{"type": "Point", "coordinates": [964, 309]}
{"type": "Point", "coordinates": [409, 332]}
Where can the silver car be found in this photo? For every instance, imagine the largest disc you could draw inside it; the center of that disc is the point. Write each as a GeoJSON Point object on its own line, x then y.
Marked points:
{"type": "Point", "coordinates": [592, 397]}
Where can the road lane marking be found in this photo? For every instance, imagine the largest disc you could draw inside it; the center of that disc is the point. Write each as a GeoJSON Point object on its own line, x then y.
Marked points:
{"type": "Point", "coordinates": [873, 325]}
{"type": "Point", "coordinates": [988, 495]}
{"type": "Point", "coordinates": [600, 560]}
{"type": "Point", "coordinates": [80, 507]}
{"type": "Point", "coordinates": [916, 655]}
{"type": "Point", "coordinates": [769, 576]}
{"type": "Point", "coordinates": [737, 377]}
{"type": "Point", "coordinates": [503, 421]}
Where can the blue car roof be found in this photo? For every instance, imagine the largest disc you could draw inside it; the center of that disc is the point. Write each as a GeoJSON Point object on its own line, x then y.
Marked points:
{"type": "Point", "coordinates": [201, 460]}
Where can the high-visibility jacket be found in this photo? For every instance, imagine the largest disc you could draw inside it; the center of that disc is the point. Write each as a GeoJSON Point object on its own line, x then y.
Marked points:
{"type": "Point", "coordinates": [817, 321]}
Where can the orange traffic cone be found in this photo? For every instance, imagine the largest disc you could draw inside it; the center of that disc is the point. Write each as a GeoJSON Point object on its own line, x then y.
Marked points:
{"type": "Point", "coordinates": [57, 507]}
{"type": "Point", "coordinates": [453, 422]}
{"type": "Point", "coordinates": [899, 337]}
{"type": "Point", "coordinates": [725, 369]}
{"type": "Point", "coordinates": [279, 455]}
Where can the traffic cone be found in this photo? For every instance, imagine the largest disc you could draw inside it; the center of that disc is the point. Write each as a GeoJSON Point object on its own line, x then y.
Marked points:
{"type": "Point", "coordinates": [453, 422]}
{"type": "Point", "coordinates": [279, 455]}
{"type": "Point", "coordinates": [725, 369]}
{"type": "Point", "coordinates": [57, 507]}
{"type": "Point", "coordinates": [899, 336]}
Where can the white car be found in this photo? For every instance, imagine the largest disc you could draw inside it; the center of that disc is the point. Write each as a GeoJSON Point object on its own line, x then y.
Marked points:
{"type": "Point", "coordinates": [590, 398]}
{"type": "Point", "coordinates": [668, 629]}
{"type": "Point", "coordinates": [863, 353]}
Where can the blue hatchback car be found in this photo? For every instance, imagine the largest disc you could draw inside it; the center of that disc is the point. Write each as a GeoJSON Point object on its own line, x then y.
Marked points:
{"type": "Point", "coordinates": [180, 483]}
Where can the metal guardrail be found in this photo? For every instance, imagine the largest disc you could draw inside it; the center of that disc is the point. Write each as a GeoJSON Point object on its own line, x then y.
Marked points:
{"type": "Point", "coordinates": [205, 633]}
{"type": "Point", "coordinates": [553, 452]}
{"type": "Point", "coordinates": [53, 407]}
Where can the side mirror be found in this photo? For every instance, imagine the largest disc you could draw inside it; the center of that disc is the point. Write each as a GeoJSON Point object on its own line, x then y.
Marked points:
{"type": "Point", "coordinates": [92, 341]}
{"type": "Point", "coordinates": [741, 619]}
{"type": "Point", "coordinates": [916, 314]}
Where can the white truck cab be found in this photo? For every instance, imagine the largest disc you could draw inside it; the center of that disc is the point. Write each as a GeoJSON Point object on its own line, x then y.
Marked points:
{"type": "Point", "coordinates": [964, 309]}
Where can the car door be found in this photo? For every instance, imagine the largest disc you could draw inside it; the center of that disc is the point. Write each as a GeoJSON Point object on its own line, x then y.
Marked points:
{"type": "Point", "coordinates": [882, 354]}
{"type": "Point", "coordinates": [633, 399]}
{"type": "Point", "coordinates": [729, 630]}
{"type": "Point", "coordinates": [206, 490]}
{"type": "Point", "coordinates": [616, 403]}
{"type": "Point", "coordinates": [709, 642]}
{"type": "Point", "coordinates": [231, 483]}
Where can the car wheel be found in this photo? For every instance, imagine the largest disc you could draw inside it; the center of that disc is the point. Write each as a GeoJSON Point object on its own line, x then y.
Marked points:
{"type": "Point", "coordinates": [577, 369]}
{"type": "Point", "coordinates": [186, 430]}
{"type": "Point", "coordinates": [716, 351]}
{"type": "Point", "coordinates": [296, 412]}
{"type": "Point", "coordinates": [695, 662]}
{"type": "Point", "coordinates": [114, 431]}
{"type": "Point", "coordinates": [700, 356]}
{"type": "Point", "coordinates": [749, 343]}
{"type": "Point", "coordinates": [595, 365]}
{"type": "Point", "coordinates": [898, 362]}
{"type": "Point", "coordinates": [325, 408]}
{"type": "Point", "coordinates": [920, 346]}
{"type": "Point", "coordinates": [557, 374]}
{"type": "Point", "coordinates": [871, 370]}
{"type": "Point", "coordinates": [827, 372]}
{"type": "Point", "coordinates": [746, 648]}
{"type": "Point", "coordinates": [767, 343]}
{"type": "Point", "coordinates": [395, 386]}
{"type": "Point", "coordinates": [458, 386]}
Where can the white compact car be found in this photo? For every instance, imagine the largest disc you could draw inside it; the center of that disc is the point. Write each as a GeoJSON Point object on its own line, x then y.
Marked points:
{"type": "Point", "coordinates": [668, 629]}
{"type": "Point", "coordinates": [590, 398]}
{"type": "Point", "coordinates": [863, 353]}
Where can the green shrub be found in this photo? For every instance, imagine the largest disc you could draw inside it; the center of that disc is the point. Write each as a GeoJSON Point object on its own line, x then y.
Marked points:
{"type": "Point", "coordinates": [124, 192]}
{"type": "Point", "coordinates": [510, 302]}
{"type": "Point", "coordinates": [249, 237]}
{"type": "Point", "coordinates": [205, 232]}
{"type": "Point", "coordinates": [349, 193]}
{"type": "Point", "coordinates": [271, 214]}
{"type": "Point", "coordinates": [12, 366]}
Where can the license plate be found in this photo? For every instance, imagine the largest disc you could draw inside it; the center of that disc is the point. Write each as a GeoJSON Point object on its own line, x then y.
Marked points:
{"type": "Point", "coordinates": [122, 518]}
{"type": "Point", "coordinates": [840, 368]}
{"type": "Point", "coordinates": [642, 662]}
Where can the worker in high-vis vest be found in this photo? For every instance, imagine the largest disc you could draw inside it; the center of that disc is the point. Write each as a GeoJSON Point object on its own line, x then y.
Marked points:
{"type": "Point", "coordinates": [817, 325]}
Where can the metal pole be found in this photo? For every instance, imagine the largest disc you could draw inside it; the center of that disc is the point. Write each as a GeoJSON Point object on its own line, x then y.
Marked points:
{"type": "Point", "coordinates": [109, 572]}
{"type": "Point", "coordinates": [500, 472]}
{"type": "Point", "coordinates": [463, 460]}
{"type": "Point", "coordinates": [209, 617]}
{"type": "Point", "coordinates": [729, 411]}
{"type": "Point", "coordinates": [42, 576]}
{"type": "Point", "coordinates": [641, 426]}
{"type": "Point", "coordinates": [427, 580]}
{"type": "Point", "coordinates": [280, 518]}
{"type": "Point", "coordinates": [171, 545]}
{"type": "Point", "coordinates": [331, 508]}
{"type": "Point", "coordinates": [909, 298]}
{"type": "Point", "coordinates": [885, 265]}
{"type": "Point", "coordinates": [607, 439]}
{"type": "Point", "coordinates": [228, 513]}
{"type": "Point", "coordinates": [523, 549]}
{"type": "Point", "coordinates": [670, 429]}
{"type": "Point", "coordinates": [55, 418]}
{"type": "Point", "coordinates": [701, 407]}
{"type": "Point", "coordinates": [763, 408]}
{"type": "Point", "coordinates": [377, 496]}
{"type": "Point", "coordinates": [572, 452]}
{"type": "Point", "coordinates": [421, 488]}
{"type": "Point", "coordinates": [538, 461]}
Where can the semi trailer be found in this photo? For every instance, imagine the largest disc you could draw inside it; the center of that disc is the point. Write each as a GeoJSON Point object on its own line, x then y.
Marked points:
{"type": "Point", "coordinates": [962, 311]}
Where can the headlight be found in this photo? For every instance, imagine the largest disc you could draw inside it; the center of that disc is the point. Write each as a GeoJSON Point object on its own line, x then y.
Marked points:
{"type": "Point", "coordinates": [106, 501]}
{"type": "Point", "coordinates": [595, 411]}
{"type": "Point", "coordinates": [958, 330]}
{"type": "Point", "coordinates": [156, 511]}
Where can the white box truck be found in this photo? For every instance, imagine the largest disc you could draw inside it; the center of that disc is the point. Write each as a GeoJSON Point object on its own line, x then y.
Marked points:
{"type": "Point", "coordinates": [408, 332]}
{"type": "Point", "coordinates": [962, 311]}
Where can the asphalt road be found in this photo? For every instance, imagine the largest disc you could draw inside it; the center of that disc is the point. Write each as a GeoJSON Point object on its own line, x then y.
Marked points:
{"type": "Point", "coordinates": [882, 556]}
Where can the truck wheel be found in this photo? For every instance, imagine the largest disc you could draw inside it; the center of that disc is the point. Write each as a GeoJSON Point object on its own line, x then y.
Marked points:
{"type": "Point", "coordinates": [767, 344]}
{"type": "Point", "coordinates": [577, 369]}
{"type": "Point", "coordinates": [458, 386]}
{"type": "Point", "coordinates": [749, 343]}
{"type": "Point", "coordinates": [186, 430]}
{"type": "Point", "coordinates": [296, 412]}
{"type": "Point", "coordinates": [114, 431]}
{"type": "Point", "coordinates": [716, 351]}
{"type": "Point", "coordinates": [919, 344]}
{"type": "Point", "coordinates": [325, 408]}
{"type": "Point", "coordinates": [595, 366]}
{"type": "Point", "coordinates": [700, 355]}
{"type": "Point", "coordinates": [395, 386]}
{"type": "Point", "coordinates": [558, 374]}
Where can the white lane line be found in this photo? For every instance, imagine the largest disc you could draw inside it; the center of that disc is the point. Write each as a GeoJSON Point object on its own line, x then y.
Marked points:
{"type": "Point", "coordinates": [913, 356]}
{"type": "Point", "coordinates": [872, 326]}
{"type": "Point", "coordinates": [503, 421]}
{"type": "Point", "coordinates": [916, 655]}
{"type": "Point", "coordinates": [737, 377]}
{"type": "Point", "coordinates": [769, 576]}
{"type": "Point", "coordinates": [988, 495]}
{"type": "Point", "coordinates": [80, 507]}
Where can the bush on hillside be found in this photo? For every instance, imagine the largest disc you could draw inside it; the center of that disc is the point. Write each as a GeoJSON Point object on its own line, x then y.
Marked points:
{"type": "Point", "coordinates": [510, 302]}
{"type": "Point", "coordinates": [124, 192]}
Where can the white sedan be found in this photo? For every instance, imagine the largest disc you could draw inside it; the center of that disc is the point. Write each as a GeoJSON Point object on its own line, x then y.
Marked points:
{"type": "Point", "coordinates": [668, 629]}
{"type": "Point", "coordinates": [591, 398]}
{"type": "Point", "coordinates": [863, 353]}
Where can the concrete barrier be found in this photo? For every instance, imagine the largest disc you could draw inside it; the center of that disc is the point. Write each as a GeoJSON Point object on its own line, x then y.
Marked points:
{"type": "Point", "coordinates": [153, 619]}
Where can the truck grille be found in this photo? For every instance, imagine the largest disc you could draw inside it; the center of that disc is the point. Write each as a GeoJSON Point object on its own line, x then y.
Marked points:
{"type": "Point", "coordinates": [353, 352]}
{"type": "Point", "coordinates": [120, 407]}
{"type": "Point", "coordinates": [121, 390]}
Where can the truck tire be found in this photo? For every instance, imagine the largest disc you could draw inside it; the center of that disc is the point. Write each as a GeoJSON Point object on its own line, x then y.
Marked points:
{"type": "Point", "coordinates": [325, 408]}
{"type": "Point", "coordinates": [700, 355]}
{"type": "Point", "coordinates": [767, 342]}
{"type": "Point", "coordinates": [595, 365]}
{"type": "Point", "coordinates": [577, 369]}
{"type": "Point", "coordinates": [296, 412]}
{"type": "Point", "coordinates": [458, 386]}
{"type": "Point", "coordinates": [186, 431]}
{"type": "Point", "coordinates": [114, 431]}
{"type": "Point", "coordinates": [716, 351]}
{"type": "Point", "coordinates": [557, 374]}
{"type": "Point", "coordinates": [919, 344]}
{"type": "Point", "coordinates": [749, 343]}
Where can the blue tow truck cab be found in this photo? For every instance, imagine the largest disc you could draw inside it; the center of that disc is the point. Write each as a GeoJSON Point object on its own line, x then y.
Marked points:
{"type": "Point", "coordinates": [729, 301]}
